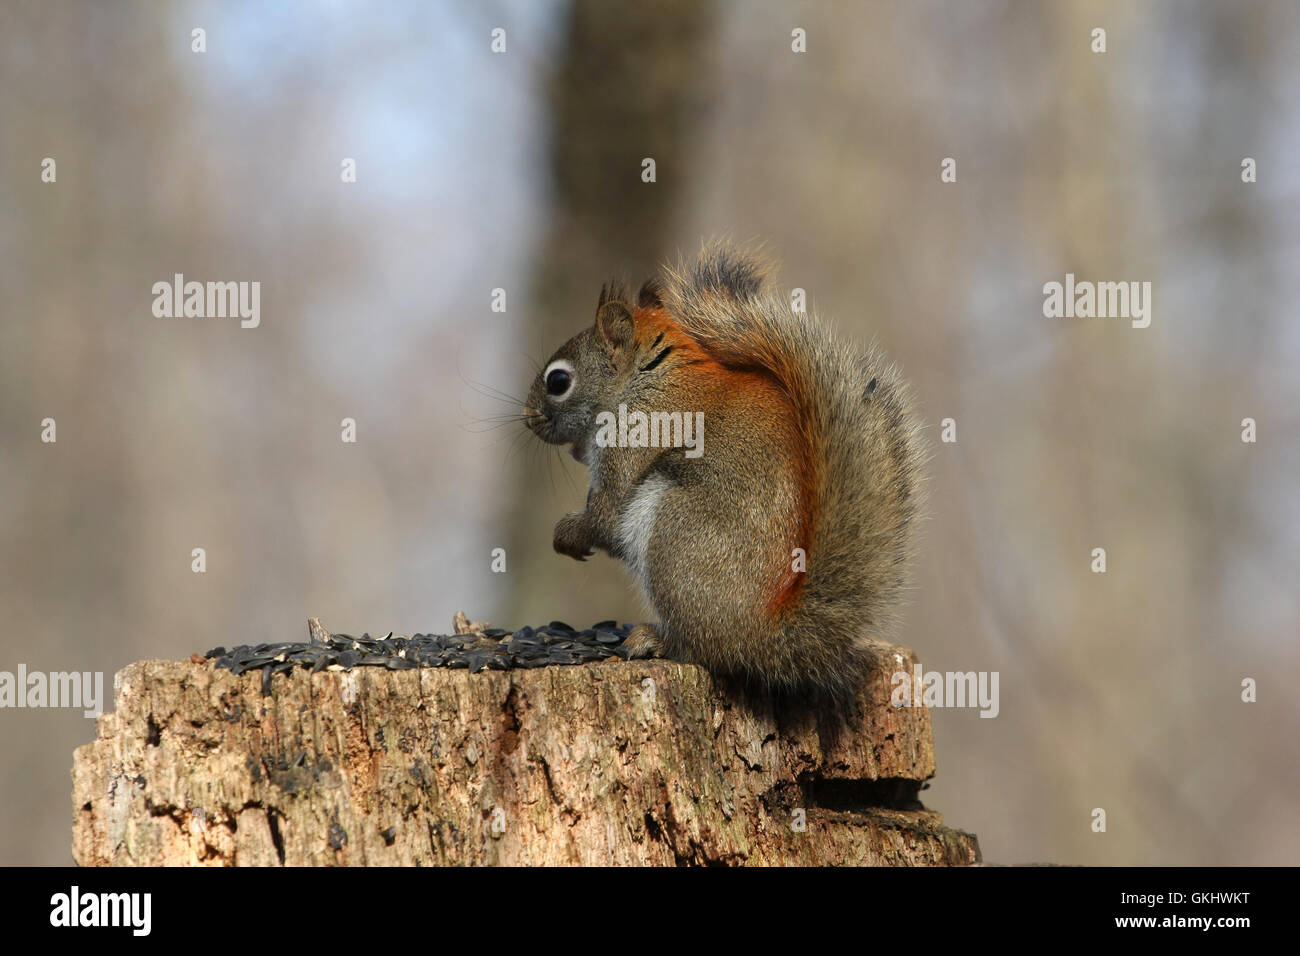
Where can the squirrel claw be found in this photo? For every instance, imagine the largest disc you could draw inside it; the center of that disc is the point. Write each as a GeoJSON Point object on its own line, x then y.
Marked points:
{"type": "Point", "coordinates": [578, 554]}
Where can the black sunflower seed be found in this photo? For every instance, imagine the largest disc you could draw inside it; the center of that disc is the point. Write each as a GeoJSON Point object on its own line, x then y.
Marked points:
{"type": "Point", "coordinates": [553, 644]}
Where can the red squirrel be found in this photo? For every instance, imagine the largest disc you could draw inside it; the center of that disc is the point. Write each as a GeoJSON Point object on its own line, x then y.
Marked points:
{"type": "Point", "coordinates": [772, 525]}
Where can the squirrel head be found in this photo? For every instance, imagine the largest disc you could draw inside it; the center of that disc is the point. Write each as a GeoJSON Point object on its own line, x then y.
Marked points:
{"type": "Point", "coordinates": [585, 376]}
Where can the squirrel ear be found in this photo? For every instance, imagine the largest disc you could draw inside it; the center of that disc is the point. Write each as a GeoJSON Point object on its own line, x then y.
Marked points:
{"type": "Point", "coordinates": [651, 295]}
{"type": "Point", "coordinates": [614, 291]}
{"type": "Point", "coordinates": [614, 325]}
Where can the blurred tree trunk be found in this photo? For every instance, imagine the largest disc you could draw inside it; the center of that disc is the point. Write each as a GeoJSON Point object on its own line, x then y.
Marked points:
{"type": "Point", "coordinates": [627, 87]}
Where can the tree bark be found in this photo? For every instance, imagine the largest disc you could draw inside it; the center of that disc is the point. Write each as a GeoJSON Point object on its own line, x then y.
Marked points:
{"type": "Point", "coordinates": [643, 762]}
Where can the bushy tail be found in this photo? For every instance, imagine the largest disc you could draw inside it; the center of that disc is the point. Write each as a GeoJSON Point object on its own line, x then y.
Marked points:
{"type": "Point", "coordinates": [864, 461]}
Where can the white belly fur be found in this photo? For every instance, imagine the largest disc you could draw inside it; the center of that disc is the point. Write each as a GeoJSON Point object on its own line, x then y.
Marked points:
{"type": "Point", "coordinates": [636, 524]}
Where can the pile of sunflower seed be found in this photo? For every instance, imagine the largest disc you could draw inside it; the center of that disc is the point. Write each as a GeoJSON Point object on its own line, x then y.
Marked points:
{"type": "Point", "coordinates": [494, 648]}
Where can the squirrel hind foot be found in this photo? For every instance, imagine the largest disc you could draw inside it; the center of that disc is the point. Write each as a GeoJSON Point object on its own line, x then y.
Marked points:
{"type": "Point", "coordinates": [644, 641]}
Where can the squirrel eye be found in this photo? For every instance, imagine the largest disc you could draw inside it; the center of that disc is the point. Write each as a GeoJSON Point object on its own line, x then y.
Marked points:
{"type": "Point", "coordinates": [558, 381]}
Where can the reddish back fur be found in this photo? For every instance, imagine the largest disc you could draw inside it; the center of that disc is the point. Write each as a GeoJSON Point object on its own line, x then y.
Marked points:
{"type": "Point", "coordinates": [718, 383]}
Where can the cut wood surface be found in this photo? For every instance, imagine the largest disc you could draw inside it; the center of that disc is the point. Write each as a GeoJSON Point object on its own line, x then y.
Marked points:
{"type": "Point", "coordinates": [641, 762]}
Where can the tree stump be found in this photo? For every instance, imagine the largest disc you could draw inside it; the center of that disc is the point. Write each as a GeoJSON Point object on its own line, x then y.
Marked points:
{"type": "Point", "coordinates": [641, 762]}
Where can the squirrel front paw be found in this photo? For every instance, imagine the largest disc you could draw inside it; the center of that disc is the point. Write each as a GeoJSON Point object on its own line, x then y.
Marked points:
{"type": "Point", "coordinates": [571, 537]}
